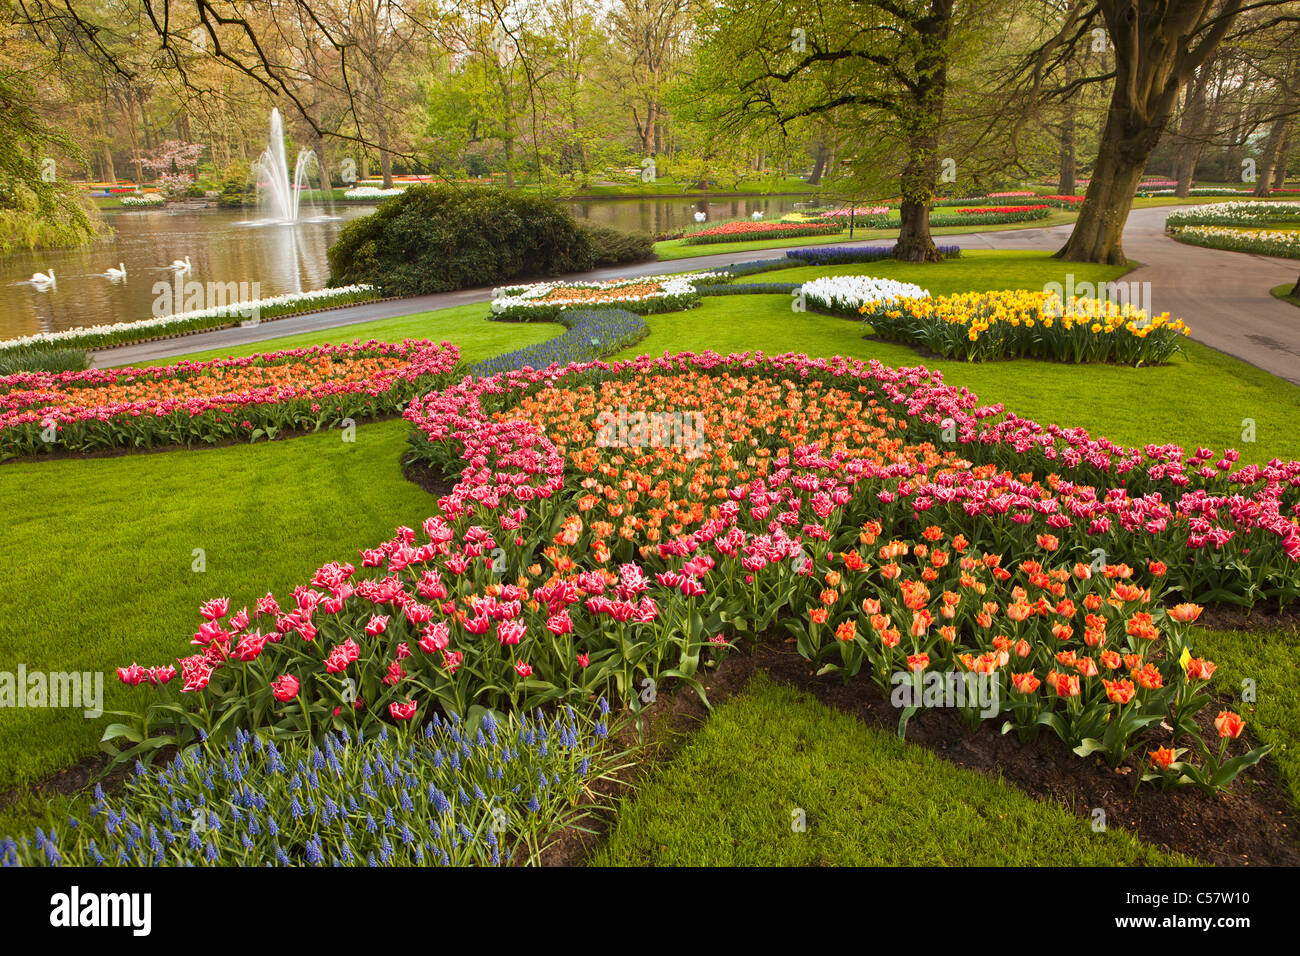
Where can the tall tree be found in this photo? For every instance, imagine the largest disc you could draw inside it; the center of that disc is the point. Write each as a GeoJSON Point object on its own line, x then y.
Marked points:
{"type": "Point", "coordinates": [1158, 46]}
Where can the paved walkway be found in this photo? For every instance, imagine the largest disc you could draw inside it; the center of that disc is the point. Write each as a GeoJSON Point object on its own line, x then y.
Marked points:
{"type": "Point", "coordinates": [1222, 296]}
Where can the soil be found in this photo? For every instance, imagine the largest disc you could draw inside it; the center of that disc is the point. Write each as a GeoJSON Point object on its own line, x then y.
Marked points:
{"type": "Point", "coordinates": [429, 478]}
{"type": "Point", "coordinates": [1265, 616]}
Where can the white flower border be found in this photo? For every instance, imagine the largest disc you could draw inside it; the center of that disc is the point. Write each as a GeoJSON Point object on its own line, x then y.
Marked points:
{"type": "Point", "coordinates": [523, 298]}
{"type": "Point", "coordinates": [160, 324]}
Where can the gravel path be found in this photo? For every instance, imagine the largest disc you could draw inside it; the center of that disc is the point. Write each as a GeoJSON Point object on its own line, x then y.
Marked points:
{"type": "Point", "coordinates": [1222, 296]}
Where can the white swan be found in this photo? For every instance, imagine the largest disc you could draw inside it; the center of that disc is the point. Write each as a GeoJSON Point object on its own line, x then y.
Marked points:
{"type": "Point", "coordinates": [41, 280]}
{"type": "Point", "coordinates": [179, 265]}
{"type": "Point", "coordinates": [701, 216]}
{"type": "Point", "coordinates": [757, 216]}
{"type": "Point", "coordinates": [118, 273]}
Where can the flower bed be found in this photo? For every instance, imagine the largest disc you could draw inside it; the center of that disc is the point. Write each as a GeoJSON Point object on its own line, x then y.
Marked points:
{"type": "Point", "coordinates": [842, 255]}
{"type": "Point", "coordinates": [1234, 214]}
{"type": "Point", "coordinates": [587, 548]}
{"type": "Point", "coordinates": [982, 326]}
{"type": "Point", "coordinates": [450, 796]}
{"type": "Point", "coordinates": [748, 231]}
{"type": "Point", "coordinates": [151, 200]}
{"type": "Point", "coordinates": [589, 334]}
{"type": "Point", "coordinates": [218, 317]}
{"type": "Point", "coordinates": [207, 402]}
{"type": "Point", "coordinates": [1265, 242]}
{"type": "Point", "coordinates": [991, 215]}
{"type": "Point", "coordinates": [545, 301]}
{"type": "Point", "coordinates": [848, 295]}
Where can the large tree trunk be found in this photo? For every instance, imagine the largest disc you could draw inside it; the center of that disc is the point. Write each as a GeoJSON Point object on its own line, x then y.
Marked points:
{"type": "Point", "coordinates": [1098, 233]}
{"type": "Point", "coordinates": [1296, 290]}
{"type": "Point", "coordinates": [1067, 183]}
{"type": "Point", "coordinates": [1269, 159]}
{"type": "Point", "coordinates": [822, 154]}
{"type": "Point", "coordinates": [1284, 159]}
{"type": "Point", "coordinates": [917, 187]}
{"type": "Point", "coordinates": [920, 177]}
{"type": "Point", "coordinates": [1190, 128]}
{"type": "Point", "coordinates": [1157, 47]}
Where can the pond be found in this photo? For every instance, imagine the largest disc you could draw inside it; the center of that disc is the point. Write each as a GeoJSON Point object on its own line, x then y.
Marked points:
{"type": "Point", "coordinates": [224, 248]}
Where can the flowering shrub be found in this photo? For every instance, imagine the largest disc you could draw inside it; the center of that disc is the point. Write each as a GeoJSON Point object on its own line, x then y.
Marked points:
{"type": "Point", "coordinates": [617, 524]}
{"type": "Point", "coordinates": [842, 255]}
{"type": "Point", "coordinates": [451, 795]}
{"type": "Point", "coordinates": [981, 326]}
{"type": "Point", "coordinates": [544, 301]}
{"type": "Point", "coordinates": [217, 317]}
{"type": "Point", "coordinates": [747, 231]}
{"type": "Point", "coordinates": [144, 201]}
{"type": "Point", "coordinates": [1265, 242]}
{"type": "Point", "coordinates": [590, 334]}
{"type": "Point", "coordinates": [205, 402]}
{"type": "Point", "coordinates": [848, 295]}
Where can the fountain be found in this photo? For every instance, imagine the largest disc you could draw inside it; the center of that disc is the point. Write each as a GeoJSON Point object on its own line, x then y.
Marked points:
{"type": "Point", "coordinates": [278, 198]}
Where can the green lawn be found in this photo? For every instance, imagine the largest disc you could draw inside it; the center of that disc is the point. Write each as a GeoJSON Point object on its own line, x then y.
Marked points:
{"type": "Point", "coordinates": [733, 794]}
{"type": "Point", "coordinates": [1283, 292]}
{"type": "Point", "coordinates": [98, 556]}
{"type": "Point", "coordinates": [1267, 659]}
{"type": "Point", "coordinates": [466, 326]}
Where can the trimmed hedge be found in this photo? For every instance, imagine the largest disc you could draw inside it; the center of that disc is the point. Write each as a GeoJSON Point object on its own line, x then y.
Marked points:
{"type": "Point", "coordinates": [440, 238]}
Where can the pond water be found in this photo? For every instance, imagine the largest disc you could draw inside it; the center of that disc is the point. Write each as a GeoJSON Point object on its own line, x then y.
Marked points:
{"type": "Point", "coordinates": [224, 248]}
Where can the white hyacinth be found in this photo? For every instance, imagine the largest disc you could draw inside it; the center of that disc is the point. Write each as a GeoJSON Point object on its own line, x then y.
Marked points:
{"type": "Point", "coordinates": [853, 292]}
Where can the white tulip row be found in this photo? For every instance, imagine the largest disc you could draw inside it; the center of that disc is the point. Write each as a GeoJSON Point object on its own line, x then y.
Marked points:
{"type": "Point", "coordinates": [1233, 213]}
{"type": "Point", "coordinates": [373, 192]}
{"type": "Point", "coordinates": [1276, 242]}
{"type": "Point", "coordinates": [123, 332]}
{"type": "Point", "coordinates": [850, 293]}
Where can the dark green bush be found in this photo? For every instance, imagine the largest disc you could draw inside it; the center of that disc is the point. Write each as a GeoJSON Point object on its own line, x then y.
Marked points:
{"type": "Point", "coordinates": [441, 238]}
{"type": "Point", "coordinates": [612, 247]}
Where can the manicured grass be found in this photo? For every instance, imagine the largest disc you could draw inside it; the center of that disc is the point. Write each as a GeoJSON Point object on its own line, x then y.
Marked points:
{"type": "Point", "coordinates": [730, 798]}
{"type": "Point", "coordinates": [466, 326]}
{"type": "Point", "coordinates": [1283, 292]}
{"type": "Point", "coordinates": [671, 249]}
{"type": "Point", "coordinates": [98, 556]}
{"type": "Point", "coordinates": [1265, 662]}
